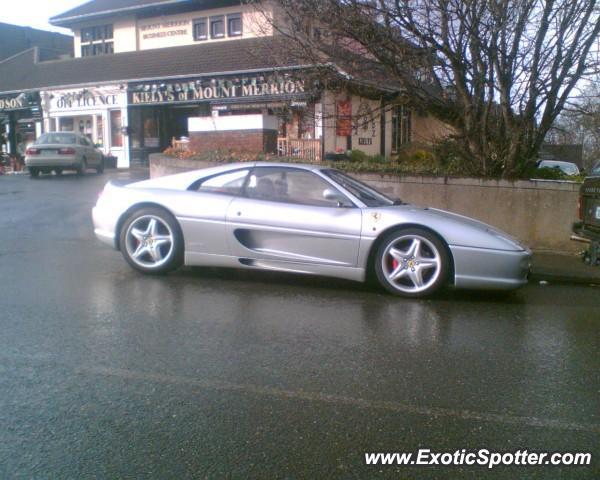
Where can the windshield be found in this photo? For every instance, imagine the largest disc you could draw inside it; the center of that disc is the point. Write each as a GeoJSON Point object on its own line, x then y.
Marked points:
{"type": "Point", "coordinates": [368, 195]}
{"type": "Point", "coordinates": [596, 169]}
{"type": "Point", "coordinates": [57, 138]}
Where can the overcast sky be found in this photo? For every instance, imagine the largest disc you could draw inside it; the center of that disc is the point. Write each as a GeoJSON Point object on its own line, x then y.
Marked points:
{"type": "Point", "coordinates": [35, 13]}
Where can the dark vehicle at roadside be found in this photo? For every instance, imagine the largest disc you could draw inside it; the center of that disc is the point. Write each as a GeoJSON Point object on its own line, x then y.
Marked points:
{"type": "Point", "coordinates": [567, 168]}
{"type": "Point", "coordinates": [588, 228]}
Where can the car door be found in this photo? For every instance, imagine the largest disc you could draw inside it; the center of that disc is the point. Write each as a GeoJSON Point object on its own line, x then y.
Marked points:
{"type": "Point", "coordinates": [201, 212]}
{"type": "Point", "coordinates": [95, 153]}
{"type": "Point", "coordinates": [87, 151]}
{"type": "Point", "coordinates": [284, 215]}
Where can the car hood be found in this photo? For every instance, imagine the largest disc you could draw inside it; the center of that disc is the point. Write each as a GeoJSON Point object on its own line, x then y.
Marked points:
{"type": "Point", "coordinates": [455, 229]}
{"type": "Point", "coordinates": [477, 224]}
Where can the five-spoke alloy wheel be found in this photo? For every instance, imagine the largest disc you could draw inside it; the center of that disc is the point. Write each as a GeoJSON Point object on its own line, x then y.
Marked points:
{"type": "Point", "coordinates": [411, 262]}
{"type": "Point", "coordinates": [151, 241]}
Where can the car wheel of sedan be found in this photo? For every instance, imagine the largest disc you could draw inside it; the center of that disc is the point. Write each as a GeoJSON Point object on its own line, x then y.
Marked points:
{"type": "Point", "coordinates": [82, 168]}
{"type": "Point", "coordinates": [411, 262]}
{"type": "Point", "coordinates": [100, 167]}
{"type": "Point", "coordinates": [34, 172]}
{"type": "Point", "coordinates": [151, 241]}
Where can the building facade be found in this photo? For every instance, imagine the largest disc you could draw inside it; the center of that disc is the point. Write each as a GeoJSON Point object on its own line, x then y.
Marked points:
{"type": "Point", "coordinates": [209, 75]}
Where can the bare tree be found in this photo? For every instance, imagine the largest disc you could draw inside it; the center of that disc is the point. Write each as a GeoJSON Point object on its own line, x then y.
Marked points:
{"type": "Point", "coordinates": [498, 71]}
{"type": "Point", "coordinates": [579, 123]}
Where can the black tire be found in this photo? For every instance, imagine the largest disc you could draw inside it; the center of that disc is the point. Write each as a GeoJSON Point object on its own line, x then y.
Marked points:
{"type": "Point", "coordinates": [82, 168]}
{"type": "Point", "coordinates": [433, 251]}
{"type": "Point", "coordinates": [58, 171]}
{"type": "Point", "coordinates": [173, 258]}
{"type": "Point", "coordinates": [34, 172]}
{"type": "Point", "coordinates": [100, 167]}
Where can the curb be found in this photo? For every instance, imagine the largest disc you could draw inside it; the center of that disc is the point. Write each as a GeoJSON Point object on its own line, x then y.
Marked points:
{"type": "Point", "coordinates": [563, 278]}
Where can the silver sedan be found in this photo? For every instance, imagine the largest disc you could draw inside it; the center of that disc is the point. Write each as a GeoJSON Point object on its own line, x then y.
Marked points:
{"type": "Point", "coordinates": [303, 219]}
{"type": "Point", "coordinates": [58, 151]}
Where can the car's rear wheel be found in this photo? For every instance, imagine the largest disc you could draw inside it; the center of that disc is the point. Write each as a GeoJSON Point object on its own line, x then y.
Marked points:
{"type": "Point", "coordinates": [58, 171]}
{"type": "Point", "coordinates": [151, 241]}
{"type": "Point", "coordinates": [100, 167]}
{"type": "Point", "coordinates": [34, 172]}
{"type": "Point", "coordinates": [412, 262]}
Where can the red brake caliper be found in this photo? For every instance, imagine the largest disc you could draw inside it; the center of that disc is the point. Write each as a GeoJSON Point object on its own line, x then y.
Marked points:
{"type": "Point", "coordinates": [394, 264]}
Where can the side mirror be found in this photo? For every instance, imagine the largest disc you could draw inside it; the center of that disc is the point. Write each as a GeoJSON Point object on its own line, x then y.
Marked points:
{"type": "Point", "coordinates": [98, 145]}
{"type": "Point", "coordinates": [333, 196]}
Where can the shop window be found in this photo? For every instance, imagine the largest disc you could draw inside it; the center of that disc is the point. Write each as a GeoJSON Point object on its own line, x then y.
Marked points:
{"type": "Point", "coordinates": [234, 25]}
{"type": "Point", "coordinates": [150, 128]}
{"type": "Point", "coordinates": [200, 29]}
{"type": "Point", "coordinates": [116, 124]}
{"type": "Point", "coordinates": [67, 124]}
{"type": "Point", "coordinates": [87, 35]}
{"type": "Point", "coordinates": [97, 40]}
{"type": "Point", "coordinates": [401, 127]}
{"type": "Point", "coordinates": [217, 27]}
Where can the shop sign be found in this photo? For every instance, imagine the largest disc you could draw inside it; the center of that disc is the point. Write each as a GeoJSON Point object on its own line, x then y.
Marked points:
{"type": "Point", "coordinates": [344, 118]}
{"type": "Point", "coordinates": [364, 118]}
{"type": "Point", "coordinates": [14, 103]}
{"type": "Point", "coordinates": [213, 89]}
{"type": "Point", "coordinates": [84, 99]}
{"type": "Point", "coordinates": [172, 28]}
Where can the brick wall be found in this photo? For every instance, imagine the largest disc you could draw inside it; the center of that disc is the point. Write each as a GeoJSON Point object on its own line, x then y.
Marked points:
{"type": "Point", "coordinates": [243, 141]}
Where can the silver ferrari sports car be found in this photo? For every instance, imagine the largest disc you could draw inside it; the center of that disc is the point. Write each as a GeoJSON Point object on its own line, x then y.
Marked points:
{"type": "Point", "coordinates": [305, 219]}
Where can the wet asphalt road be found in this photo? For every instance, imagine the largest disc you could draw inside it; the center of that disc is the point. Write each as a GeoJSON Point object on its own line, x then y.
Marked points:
{"type": "Point", "coordinates": [105, 373]}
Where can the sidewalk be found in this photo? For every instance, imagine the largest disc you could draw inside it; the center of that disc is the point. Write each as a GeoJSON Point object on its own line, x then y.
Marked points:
{"type": "Point", "coordinates": [569, 268]}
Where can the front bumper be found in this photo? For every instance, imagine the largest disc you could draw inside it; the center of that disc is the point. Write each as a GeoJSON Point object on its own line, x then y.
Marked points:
{"type": "Point", "coordinates": [104, 227]}
{"type": "Point", "coordinates": [580, 230]}
{"type": "Point", "coordinates": [489, 269]}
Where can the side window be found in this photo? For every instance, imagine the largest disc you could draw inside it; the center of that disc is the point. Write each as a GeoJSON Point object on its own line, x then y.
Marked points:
{"type": "Point", "coordinates": [234, 24]}
{"type": "Point", "coordinates": [229, 183]}
{"type": "Point", "coordinates": [290, 185]}
{"type": "Point", "coordinates": [217, 27]}
{"type": "Point", "coordinates": [83, 141]}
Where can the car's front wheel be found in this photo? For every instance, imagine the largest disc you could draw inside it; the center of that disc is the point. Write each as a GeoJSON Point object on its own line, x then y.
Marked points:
{"type": "Point", "coordinates": [411, 262]}
{"type": "Point", "coordinates": [151, 241]}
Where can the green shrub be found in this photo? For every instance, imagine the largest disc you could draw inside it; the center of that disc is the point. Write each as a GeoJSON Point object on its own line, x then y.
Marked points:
{"type": "Point", "coordinates": [409, 162]}
{"type": "Point", "coordinates": [358, 156]}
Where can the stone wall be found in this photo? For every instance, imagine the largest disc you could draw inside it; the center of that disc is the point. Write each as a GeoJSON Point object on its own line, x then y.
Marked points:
{"type": "Point", "coordinates": [539, 213]}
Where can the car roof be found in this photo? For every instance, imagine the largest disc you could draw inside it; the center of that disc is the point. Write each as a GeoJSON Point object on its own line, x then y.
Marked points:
{"type": "Point", "coordinates": [557, 162]}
